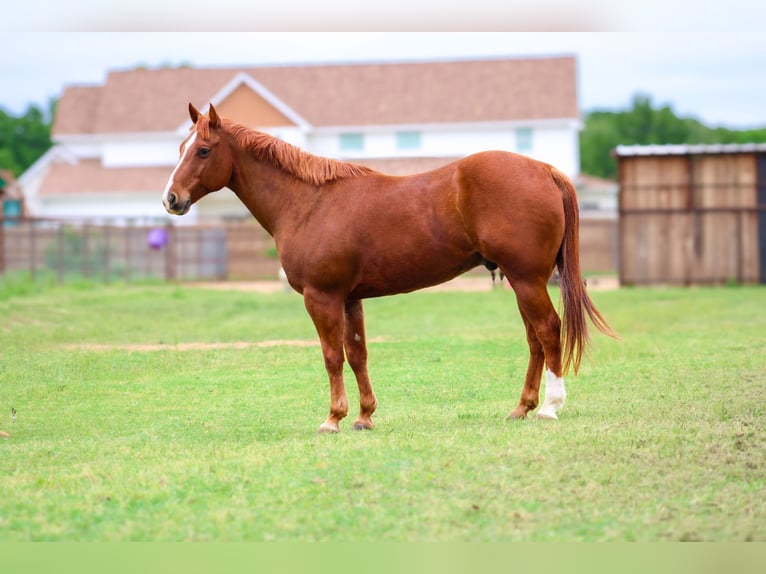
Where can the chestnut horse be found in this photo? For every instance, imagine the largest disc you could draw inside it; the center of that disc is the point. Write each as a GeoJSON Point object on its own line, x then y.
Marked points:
{"type": "Point", "coordinates": [345, 232]}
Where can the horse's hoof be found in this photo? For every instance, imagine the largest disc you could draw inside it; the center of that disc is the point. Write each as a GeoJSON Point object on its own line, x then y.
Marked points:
{"type": "Point", "coordinates": [327, 428]}
{"type": "Point", "coordinates": [516, 415]}
{"type": "Point", "coordinates": [362, 426]}
{"type": "Point", "coordinates": [547, 415]}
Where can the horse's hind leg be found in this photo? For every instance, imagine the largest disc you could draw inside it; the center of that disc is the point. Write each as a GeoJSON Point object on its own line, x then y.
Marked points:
{"type": "Point", "coordinates": [530, 394]}
{"type": "Point", "coordinates": [543, 323]}
{"type": "Point", "coordinates": [356, 353]}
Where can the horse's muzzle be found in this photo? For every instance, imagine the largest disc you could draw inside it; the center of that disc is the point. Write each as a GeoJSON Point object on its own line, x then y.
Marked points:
{"type": "Point", "coordinates": [174, 206]}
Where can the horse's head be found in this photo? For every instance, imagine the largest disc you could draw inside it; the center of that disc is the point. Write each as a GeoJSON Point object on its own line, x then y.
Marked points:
{"type": "Point", "coordinates": [205, 164]}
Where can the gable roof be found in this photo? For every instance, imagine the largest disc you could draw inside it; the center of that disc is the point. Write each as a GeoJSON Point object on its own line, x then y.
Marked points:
{"type": "Point", "coordinates": [332, 94]}
{"type": "Point", "coordinates": [244, 82]}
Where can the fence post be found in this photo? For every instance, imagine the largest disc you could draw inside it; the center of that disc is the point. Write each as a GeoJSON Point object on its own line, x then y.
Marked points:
{"type": "Point", "coordinates": [128, 251]}
{"type": "Point", "coordinates": [33, 251]}
{"type": "Point", "coordinates": [60, 253]}
{"type": "Point", "coordinates": [85, 251]}
{"type": "Point", "coordinates": [2, 245]}
{"type": "Point", "coordinates": [170, 253]}
{"type": "Point", "coordinates": [107, 251]}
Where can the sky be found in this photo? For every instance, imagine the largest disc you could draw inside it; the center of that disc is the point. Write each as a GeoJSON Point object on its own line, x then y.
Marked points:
{"type": "Point", "coordinates": [718, 77]}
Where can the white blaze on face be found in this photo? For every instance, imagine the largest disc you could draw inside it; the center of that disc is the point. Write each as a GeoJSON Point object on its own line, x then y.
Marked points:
{"type": "Point", "coordinates": [188, 144]}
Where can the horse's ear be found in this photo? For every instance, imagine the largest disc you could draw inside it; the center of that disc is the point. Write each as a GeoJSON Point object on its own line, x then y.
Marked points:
{"type": "Point", "coordinates": [193, 113]}
{"type": "Point", "coordinates": [215, 119]}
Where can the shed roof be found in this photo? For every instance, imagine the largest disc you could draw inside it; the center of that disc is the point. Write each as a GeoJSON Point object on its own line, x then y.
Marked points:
{"type": "Point", "coordinates": [687, 149]}
{"type": "Point", "coordinates": [490, 90]}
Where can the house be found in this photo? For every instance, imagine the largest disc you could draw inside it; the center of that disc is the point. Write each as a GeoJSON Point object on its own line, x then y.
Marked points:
{"type": "Point", "coordinates": [116, 143]}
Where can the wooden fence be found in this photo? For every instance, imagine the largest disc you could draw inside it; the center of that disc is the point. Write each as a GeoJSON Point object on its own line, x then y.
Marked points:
{"type": "Point", "coordinates": [232, 250]}
{"type": "Point", "coordinates": [69, 250]}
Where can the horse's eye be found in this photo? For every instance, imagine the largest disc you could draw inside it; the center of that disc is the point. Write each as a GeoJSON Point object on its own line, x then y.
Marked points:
{"type": "Point", "coordinates": [203, 152]}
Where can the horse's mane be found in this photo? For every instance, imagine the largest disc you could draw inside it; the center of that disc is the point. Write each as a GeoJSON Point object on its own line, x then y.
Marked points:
{"type": "Point", "coordinates": [304, 166]}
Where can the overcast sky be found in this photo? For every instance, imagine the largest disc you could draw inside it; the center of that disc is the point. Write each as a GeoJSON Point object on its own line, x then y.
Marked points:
{"type": "Point", "coordinates": [719, 78]}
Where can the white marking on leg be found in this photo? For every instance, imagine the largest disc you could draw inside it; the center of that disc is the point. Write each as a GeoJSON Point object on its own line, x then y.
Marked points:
{"type": "Point", "coordinates": [555, 395]}
{"type": "Point", "coordinates": [186, 147]}
{"type": "Point", "coordinates": [357, 337]}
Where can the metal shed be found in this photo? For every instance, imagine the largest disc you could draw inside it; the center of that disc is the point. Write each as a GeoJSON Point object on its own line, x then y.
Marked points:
{"type": "Point", "coordinates": [692, 214]}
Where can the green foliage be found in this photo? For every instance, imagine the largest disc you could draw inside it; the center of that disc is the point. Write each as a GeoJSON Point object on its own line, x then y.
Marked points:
{"type": "Point", "coordinates": [24, 139]}
{"type": "Point", "coordinates": [646, 124]}
{"type": "Point", "coordinates": [662, 437]}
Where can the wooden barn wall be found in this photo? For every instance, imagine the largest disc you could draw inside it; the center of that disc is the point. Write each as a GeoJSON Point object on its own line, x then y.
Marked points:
{"type": "Point", "coordinates": [689, 219]}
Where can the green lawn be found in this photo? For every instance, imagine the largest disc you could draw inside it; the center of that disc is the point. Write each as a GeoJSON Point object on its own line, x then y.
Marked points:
{"type": "Point", "coordinates": [662, 437]}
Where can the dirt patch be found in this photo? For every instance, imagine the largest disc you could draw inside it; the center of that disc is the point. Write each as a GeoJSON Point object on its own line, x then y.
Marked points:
{"type": "Point", "coordinates": [251, 286]}
{"type": "Point", "coordinates": [463, 283]}
{"type": "Point", "coordinates": [458, 284]}
{"type": "Point", "coordinates": [194, 346]}
{"type": "Point", "coordinates": [199, 346]}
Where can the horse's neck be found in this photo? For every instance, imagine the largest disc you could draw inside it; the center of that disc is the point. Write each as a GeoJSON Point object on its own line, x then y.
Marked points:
{"type": "Point", "coordinates": [271, 195]}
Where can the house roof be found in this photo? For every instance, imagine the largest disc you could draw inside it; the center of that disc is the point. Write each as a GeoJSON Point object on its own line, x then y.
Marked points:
{"type": "Point", "coordinates": [90, 176]}
{"type": "Point", "coordinates": [492, 90]}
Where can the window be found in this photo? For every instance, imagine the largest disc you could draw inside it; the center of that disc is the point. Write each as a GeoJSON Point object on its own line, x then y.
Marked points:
{"type": "Point", "coordinates": [352, 142]}
{"type": "Point", "coordinates": [10, 209]}
{"type": "Point", "coordinates": [524, 140]}
{"type": "Point", "coordinates": [408, 140]}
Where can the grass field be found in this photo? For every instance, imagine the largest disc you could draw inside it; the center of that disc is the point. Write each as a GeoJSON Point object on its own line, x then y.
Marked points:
{"type": "Point", "coordinates": [662, 437]}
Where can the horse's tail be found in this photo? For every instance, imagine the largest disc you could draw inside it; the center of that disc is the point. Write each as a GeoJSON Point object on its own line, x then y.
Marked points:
{"type": "Point", "coordinates": [576, 300]}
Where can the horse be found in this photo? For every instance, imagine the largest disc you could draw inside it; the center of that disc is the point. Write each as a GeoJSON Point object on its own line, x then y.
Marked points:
{"type": "Point", "coordinates": [345, 232]}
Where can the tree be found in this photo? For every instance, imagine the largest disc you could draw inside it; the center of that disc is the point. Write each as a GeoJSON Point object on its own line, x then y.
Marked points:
{"type": "Point", "coordinates": [644, 124]}
{"type": "Point", "coordinates": [24, 139]}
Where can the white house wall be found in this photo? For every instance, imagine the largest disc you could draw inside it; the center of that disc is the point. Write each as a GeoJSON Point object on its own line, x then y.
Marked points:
{"type": "Point", "coordinates": [555, 144]}
{"type": "Point", "coordinates": [558, 147]}
{"type": "Point", "coordinates": [552, 144]}
{"type": "Point", "coordinates": [141, 154]}
{"type": "Point", "coordinates": [164, 151]}
{"type": "Point", "coordinates": [295, 136]}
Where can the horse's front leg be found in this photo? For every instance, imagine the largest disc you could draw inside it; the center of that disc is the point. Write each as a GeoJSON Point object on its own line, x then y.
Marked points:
{"type": "Point", "coordinates": [326, 310]}
{"type": "Point", "coordinates": [356, 352]}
